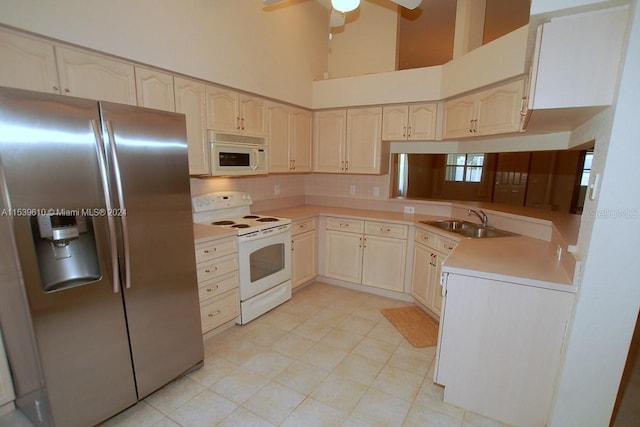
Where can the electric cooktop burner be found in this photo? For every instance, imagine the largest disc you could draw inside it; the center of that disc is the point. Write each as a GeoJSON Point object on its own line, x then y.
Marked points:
{"type": "Point", "coordinates": [250, 216]}
{"type": "Point", "coordinates": [240, 226]}
{"type": "Point", "coordinates": [267, 219]}
{"type": "Point", "coordinates": [223, 223]}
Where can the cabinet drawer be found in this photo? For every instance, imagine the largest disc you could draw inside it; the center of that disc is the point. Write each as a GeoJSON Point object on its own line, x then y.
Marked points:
{"type": "Point", "coordinates": [426, 238]}
{"type": "Point", "coordinates": [217, 311]}
{"type": "Point", "coordinates": [345, 224]}
{"type": "Point", "coordinates": [445, 245]}
{"type": "Point", "coordinates": [386, 229]}
{"type": "Point", "coordinates": [217, 267]}
{"type": "Point", "coordinates": [217, 286]}
{"type": "Point", "coordinates": [215, 249]}
{"type": "Point", "coordinates": [303, 225]}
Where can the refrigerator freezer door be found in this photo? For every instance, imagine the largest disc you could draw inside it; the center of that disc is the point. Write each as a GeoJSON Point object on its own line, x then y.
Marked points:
{"type": "Point", "coordinates": [49, 154]}
{"type": "Point", "coordinates": [149, 150]}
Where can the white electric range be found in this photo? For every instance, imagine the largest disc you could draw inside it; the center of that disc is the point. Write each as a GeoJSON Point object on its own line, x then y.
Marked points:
{"type": "Point", "coordinates": [264, 249]}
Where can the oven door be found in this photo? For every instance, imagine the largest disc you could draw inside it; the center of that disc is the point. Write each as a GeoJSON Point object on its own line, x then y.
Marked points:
{"type": "Point", "coordinates": [265, 261]}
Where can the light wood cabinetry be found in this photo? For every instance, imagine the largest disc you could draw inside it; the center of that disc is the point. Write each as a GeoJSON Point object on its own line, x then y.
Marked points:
{"type": "Point", "coordinates": [6, 385]}
{"type": "Point", "coordinates": [429, 253]}
{"type": "Point", "coordinates": [190, 100]}
{"type": "Point", "coordinates": [500, 348]}
{"type": "Point", "coordinates": [27, 63]}
{"type": "Point", "coordinates": [289, 138]}
{"type": "Point", "coordinates": [90, 76]}
{"type": "Point", "coordinates": [414, 122]}
{"type": "Point", "coordinates": [154, 89]}
{"type": "Point", "coordinates": [303, 251]}
{"type": "Point", "coordinates": [488, 112]}
{"type": "Point", "coordinates": [366, 252]}
{"type": "Point", "coordinates": [349, 141]}
{"type": "Point", "coordinates": [231, 111]}
{"type": "Point", "coordinates": [218, 282]}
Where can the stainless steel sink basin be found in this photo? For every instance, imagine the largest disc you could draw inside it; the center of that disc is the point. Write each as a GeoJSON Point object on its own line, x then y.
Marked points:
{"type": "Point", "coordinates": [468, 229]}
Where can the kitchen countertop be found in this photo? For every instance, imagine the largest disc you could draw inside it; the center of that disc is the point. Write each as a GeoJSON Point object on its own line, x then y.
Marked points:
{"type": "Point", "coordinates": [518, 259]}
{"type": "Point", "coordinates": [204, 233]}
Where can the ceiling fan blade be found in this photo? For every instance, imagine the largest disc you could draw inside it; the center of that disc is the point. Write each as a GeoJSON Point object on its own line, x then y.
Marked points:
{"type": "Point", "coordinates": [408, 4]}
{"type": "Point", "coordinates": [337, 19]}
{"type": "Point", "coordinates": [269, 2]}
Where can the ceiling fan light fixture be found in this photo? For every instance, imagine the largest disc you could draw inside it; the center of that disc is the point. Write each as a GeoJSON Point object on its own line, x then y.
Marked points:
{"type": "Point", "coordinates": [345, 5]}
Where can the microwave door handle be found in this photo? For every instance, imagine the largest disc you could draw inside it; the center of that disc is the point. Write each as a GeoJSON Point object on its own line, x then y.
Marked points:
{"type": "Point", "coordinates": [254, 159]}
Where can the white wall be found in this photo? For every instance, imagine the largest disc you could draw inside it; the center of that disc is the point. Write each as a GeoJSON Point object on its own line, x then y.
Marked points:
{"type": "Point", "coordinates": [275, 53]}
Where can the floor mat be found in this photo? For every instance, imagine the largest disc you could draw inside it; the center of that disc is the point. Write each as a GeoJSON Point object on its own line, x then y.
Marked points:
{"type": "Point", "coordinates": [414, 324]}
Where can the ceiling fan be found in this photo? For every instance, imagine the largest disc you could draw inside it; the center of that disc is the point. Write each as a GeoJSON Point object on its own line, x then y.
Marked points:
{"type": "Point", "coordinates": [340, 7]}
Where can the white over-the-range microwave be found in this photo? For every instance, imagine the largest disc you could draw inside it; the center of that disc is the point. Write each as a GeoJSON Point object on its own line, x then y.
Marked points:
{"type": "Point", "coordinates": [236, 155]}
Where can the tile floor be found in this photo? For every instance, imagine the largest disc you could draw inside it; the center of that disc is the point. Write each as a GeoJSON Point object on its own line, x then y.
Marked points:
{"type": "Point", "coordinates": [327, 357]}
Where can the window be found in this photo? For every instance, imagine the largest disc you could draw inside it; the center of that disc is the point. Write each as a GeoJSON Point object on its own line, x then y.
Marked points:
{"type": "Point", "coordinates": [464, 167]}
{"type": "Point", "coordinates": [586, 168]}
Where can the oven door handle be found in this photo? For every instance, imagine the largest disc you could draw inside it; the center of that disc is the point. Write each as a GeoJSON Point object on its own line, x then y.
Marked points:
{"type": "Point", "coordinates": [263, 234]}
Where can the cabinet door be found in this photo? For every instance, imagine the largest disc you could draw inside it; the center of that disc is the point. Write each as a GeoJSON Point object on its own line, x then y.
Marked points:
{"type": "Point", "coordinates": [190, 100]}
{"type": "Point", "coordinates": [435, 289]}
{"type": "Point", "coordinates": [364, 143]}
{"type": "Point", "coordinates": [329, 138]}
{"type": "Point", "coordinates": [303, 258]}
{"type": "Point", "coordinates": [458, 117]}
{"type": "Point", "coordinates": [422, 122]}
{"type": "Point", "coordinates": [300, 140]}
{"type": "Point", "coordinates": [222, 109]}
{"type": "Point", "coordinates": [394, 123]}
{"type": "Point", "coordinates": [421, 274]}
{"type": "Point", "coordinates": [155, 89]}
{"type": "Point", "coordinates": [343, 256]}
{"type": "Point", "coordinates": [27, 63]}
{"type": "Point", "coordinates": [251, 113]}
{"type": "Point", "coordinates": [383, 262]}
{"type": "Point", "coordinates": [500, 110]}
{"type": "Point", "coordinates": [278, 138]}
{"type": "Point", "coordinates": [6, 386]}
{"type": "Point", "coordinates": [94, 77]}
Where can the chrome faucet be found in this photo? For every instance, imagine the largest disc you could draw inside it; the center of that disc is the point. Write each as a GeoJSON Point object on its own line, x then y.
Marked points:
{"type": "Point", "coordinates": [483, 216]}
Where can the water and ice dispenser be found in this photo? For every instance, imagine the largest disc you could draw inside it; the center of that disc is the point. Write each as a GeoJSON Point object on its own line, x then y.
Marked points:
{"type": "Point", "coordinates": [66, 251]}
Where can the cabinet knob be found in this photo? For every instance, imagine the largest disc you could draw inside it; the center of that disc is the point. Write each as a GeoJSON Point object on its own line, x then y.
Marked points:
{"type": "Point", "coordinates": [215, 313]}
{"type": "Point", "coordinates": [66, 90]}
{"type": "Point", "coordinates": [208, 251]}
{"type": "Point", "coordinates": [409, 132]}
{"type": "Point", "coordinates": [211, 271]}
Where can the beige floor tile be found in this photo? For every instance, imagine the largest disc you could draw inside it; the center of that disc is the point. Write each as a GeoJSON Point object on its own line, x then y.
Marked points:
{"type": "Point", "coordinates": [268, 363]}
{"type": "Point", "coordinates": [323, 356]}
{"type": "Point", "coordinates": [329, 316]}
{"type": "Point", "coordinates": [274, 402]}
{"type": "Point", "coordinates": [374, 349]}
{"type": "Point", "coordinates": [174, 394]}
{"type": "Point", "coordinates": [384, 331]}
{"type": "Point", "coordinates": [240, 385]}
{"type": "Point", "coordinates": [238, 350]}
{"type": "Point", "coordinates": [370, 313]}
{"type": "Point", "coordinates": [312, 330]}
{"type": "Point", "coordinates": [339, 392]}
{"type": "Point", "coordinates": [140, 415]}
{"type": "Point", "coordinates": [357, 325]}
{"type": "Point", "coordinates": [341, 339]}
{"type": "Point", "coordinates": [244, 418]}
{"type": "Point", "coordinates": [413, 360]}
{"type": "Point", "coordinates": [302, 377]}
{"type": "Point", "coordinates": [430, 390]}
{"type": "Point", "coordinates": [398, 383]}
{"type": "Point", "coordinates": [262, 333]}
{"type": "Point", "coordinates": [312, 413]}
{"type": "Point", "coordinates": [283, 320]}
{"type": "Point", "coordinates": [292, 345]}
{"type": "Point", "coordinates": [439, 405]}
{"type": "Point", "coordinates": [359, 368]}
{"type": "Point", "coordinates": [206, 409]}
{"type": "Point", "coordinates": [427, 417]}
{"type": "Point", "coordinates": [215, 368]}
{"type": "Point", "coordinates": [380, 409]}
{"type": "Point", "coordinates": [472, 419]}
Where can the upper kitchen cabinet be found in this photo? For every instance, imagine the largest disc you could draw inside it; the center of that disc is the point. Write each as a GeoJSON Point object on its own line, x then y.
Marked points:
{"type": "Point", "coordinates": [90, 76]}
{"type": "Point", "coordinates": [488, 112]}
{"type": "Point", "coordinates": [230, 111]}
{"type": "Point", "coordinates": [27, 63]}
{"type": "Point", "coordinates": [155, 89]}
{"type": "Point", "coordinates": [414, 122]}
{"type": "Point", "coordinates": [349, 141]}
{"type": "Point", "coordinates": [190, 98]}
{"type": "Point", "coordinates": [289, 138]}
{"type": "Point", "coordinates": [574, 70]}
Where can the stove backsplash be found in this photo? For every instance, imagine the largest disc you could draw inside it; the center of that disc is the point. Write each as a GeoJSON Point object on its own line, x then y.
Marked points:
{"type": "Point", "coordinates": [278, 191]}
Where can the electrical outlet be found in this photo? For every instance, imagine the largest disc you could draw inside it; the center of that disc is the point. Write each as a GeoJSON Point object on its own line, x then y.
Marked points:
{"type": "Point", "coordinates": [352, 190]}
{"type": "Point", "coordinates": [409, 209]}
{"type": "Point", "coordinates": [276, 189]}
{"type": "Point", "coordinates": [376, 191]}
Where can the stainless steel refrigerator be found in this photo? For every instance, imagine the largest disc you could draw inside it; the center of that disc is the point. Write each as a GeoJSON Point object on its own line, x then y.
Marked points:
{"type": "Point", "coordinates": [98, 301]}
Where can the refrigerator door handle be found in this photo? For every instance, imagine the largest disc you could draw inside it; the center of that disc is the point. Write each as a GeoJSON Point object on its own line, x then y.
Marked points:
{"type": "Point", "coordinates": [104, 176]}
{"type": "Point", "coordinates": [122, 207]}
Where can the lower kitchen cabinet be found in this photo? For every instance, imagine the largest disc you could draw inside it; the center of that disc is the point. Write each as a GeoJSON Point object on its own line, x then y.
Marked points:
{"type": "Point", "coordinates": [303, 251]}
{"type": "Point", "coordinates": [6, 385]}
{"type": "Point", "coordinates": [370, 253]}
{"type": "Point", "coordinates": [218, 282]}
{"type": "Point", "coordinates": [429, 253]}
{"type": "Point", "coordinates": [500, 347]}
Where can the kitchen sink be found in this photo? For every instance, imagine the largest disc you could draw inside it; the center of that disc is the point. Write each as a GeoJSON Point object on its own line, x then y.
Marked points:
{"type": "Point", "coordinates": [468, 229]}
